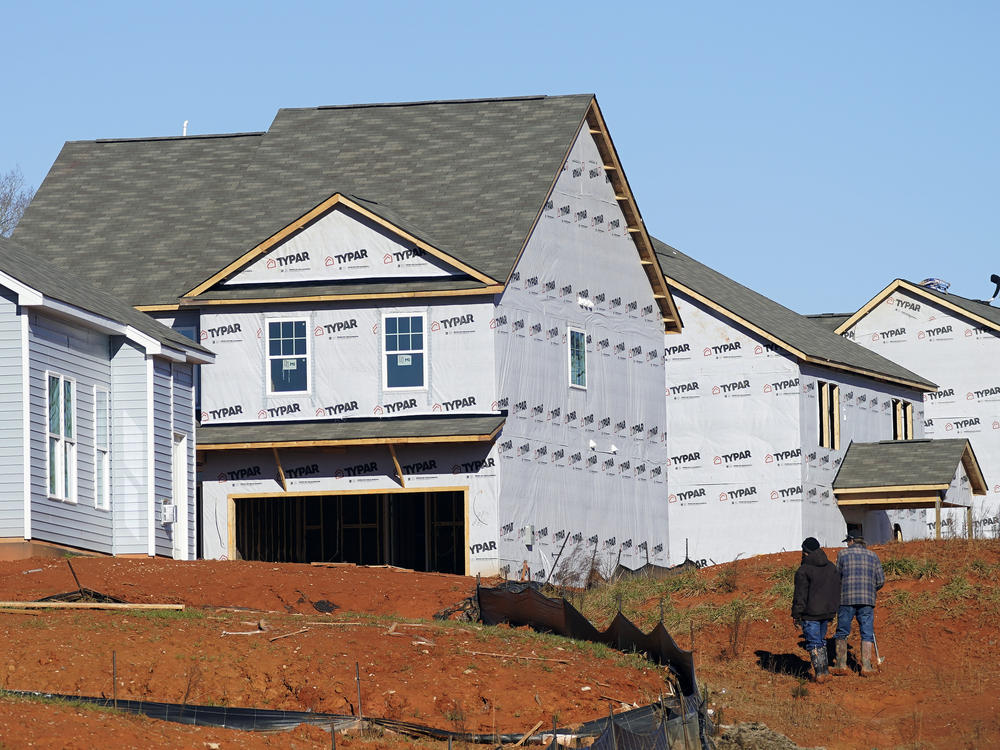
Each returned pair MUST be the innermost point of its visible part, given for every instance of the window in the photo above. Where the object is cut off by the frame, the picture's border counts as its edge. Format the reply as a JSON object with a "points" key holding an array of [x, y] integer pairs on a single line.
{"points": [[829, 415], [288, 356], [405, 361], [102, 449], [577, 359], [902, 420], [62, 438]]}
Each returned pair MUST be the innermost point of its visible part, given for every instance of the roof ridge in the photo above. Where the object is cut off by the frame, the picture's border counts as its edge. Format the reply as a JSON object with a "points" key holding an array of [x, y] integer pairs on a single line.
{"points": [[429, 102], [204, 136]]}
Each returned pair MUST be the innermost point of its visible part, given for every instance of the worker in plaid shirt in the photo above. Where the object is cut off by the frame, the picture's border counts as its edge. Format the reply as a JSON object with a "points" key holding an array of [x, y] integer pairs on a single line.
{"points": [[861, 576]]}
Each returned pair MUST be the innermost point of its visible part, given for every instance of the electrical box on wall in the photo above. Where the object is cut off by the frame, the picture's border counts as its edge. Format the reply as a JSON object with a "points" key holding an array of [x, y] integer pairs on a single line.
{"points": [[168, 512], [528, 535]]}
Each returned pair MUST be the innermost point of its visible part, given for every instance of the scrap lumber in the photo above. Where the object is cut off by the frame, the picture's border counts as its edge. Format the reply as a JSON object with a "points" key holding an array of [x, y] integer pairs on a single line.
{"points": [[515, 656], [527, 735], [88, 605], [286, 635]]}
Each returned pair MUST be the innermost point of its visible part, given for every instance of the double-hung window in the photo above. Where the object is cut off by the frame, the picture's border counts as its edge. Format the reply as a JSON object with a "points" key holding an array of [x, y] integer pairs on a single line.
{"points": [[405, 352], [902, 420], [577, 358], [62, 437], [287, 356], [829, 415], [102, 449]]}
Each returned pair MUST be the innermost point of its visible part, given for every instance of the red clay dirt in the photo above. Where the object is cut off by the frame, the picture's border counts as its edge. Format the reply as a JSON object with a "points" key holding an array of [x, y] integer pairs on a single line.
{"points": [[454, 676], [937, 687]]}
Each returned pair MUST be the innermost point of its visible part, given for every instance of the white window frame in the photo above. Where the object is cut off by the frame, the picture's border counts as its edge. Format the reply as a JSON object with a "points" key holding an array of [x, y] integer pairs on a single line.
{"points": [[102, 454], [268, 356], [425, 351], [569, 357], [66, 447]]}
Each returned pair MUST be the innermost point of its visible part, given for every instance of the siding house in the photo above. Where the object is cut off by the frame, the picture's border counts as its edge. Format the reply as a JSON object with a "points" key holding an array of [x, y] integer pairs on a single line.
{"points": [[97, 419], [762, 405], [438, 326], [955, 341]]}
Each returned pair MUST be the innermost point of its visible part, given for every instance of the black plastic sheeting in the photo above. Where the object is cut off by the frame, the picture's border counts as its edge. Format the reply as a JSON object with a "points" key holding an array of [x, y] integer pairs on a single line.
{"points": [[642, 728], [524, 605]]}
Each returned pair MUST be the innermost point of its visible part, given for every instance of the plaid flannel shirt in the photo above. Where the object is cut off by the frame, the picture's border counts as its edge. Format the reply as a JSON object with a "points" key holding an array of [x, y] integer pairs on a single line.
{"points": [[861, 576]]}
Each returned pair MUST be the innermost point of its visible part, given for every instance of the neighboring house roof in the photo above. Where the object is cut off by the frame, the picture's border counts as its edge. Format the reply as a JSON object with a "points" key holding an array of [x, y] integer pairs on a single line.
{"points": [[829, 320], [899, 464], [40, 284], [350, 432], [805, 339], [981, 312]]}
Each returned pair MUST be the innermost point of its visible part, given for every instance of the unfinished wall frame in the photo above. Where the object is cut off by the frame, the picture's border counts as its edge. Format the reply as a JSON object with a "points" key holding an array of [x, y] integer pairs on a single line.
{"points": [[463, 490]]}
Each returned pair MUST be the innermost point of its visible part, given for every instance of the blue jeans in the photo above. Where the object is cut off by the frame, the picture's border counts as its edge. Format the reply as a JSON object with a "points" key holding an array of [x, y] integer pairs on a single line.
{"points": [[866, 621], [815, 633]]}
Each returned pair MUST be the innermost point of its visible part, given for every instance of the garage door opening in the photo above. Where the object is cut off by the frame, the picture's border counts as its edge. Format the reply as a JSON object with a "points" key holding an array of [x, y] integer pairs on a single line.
{"points": [[418, 530]]}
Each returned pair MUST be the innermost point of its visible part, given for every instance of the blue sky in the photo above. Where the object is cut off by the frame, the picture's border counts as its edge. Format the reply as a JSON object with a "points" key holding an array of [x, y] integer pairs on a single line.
{"points": [[812, 152]]}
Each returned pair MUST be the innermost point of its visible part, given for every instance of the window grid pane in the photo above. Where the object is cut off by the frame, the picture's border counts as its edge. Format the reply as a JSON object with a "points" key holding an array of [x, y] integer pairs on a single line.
{"points": [[287, 347], [55, 406], [404, 351], [68, 421]]}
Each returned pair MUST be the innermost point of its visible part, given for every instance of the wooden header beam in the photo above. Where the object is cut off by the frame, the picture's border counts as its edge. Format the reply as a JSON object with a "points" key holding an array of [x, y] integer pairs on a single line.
{"points": [[348, 442]]}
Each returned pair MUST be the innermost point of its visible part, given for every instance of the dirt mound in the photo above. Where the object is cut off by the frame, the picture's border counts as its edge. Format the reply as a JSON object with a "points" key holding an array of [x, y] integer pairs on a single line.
{"points": [[754, 736]]}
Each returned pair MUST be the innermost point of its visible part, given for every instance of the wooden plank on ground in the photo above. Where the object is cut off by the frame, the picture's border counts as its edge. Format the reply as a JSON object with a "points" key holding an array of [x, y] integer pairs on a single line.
{"points": [[88, 605]]}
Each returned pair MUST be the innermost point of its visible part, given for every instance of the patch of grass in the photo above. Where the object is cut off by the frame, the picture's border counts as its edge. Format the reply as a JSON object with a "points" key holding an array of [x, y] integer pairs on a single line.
{"points": [[904, 605], [984, 569], [167, 614], [908, 567], [957, 589], [782, 591], [49, 700]]}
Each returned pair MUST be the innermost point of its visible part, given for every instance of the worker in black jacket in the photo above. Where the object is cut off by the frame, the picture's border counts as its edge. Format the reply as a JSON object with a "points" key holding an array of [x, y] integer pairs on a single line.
{"points": [[815, 602]]}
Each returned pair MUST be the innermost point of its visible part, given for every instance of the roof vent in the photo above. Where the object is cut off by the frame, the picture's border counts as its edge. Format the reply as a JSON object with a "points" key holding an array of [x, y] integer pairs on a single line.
{"points": [[937, 285], [996, 280]]}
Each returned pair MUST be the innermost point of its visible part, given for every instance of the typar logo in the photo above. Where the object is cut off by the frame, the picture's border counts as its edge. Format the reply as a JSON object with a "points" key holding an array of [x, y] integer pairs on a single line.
{"points": [[298, 472], [986, 394], [942, 395], [401, 255], [454, 322], [738, 458], [728, 349], [783, 457], [283, 261], [273, 412], [239, 475], [420, 467], [744, 494], [892, 334], [337, 409], [223, 412], [357, 470], [343, 259], [677, 349], [787, 386], [736, 388], [685, 460], [938, 332], [762, 349], [785, 493], [396, 406], [473, 467], [223, 333], [456, 404], [340, 326]]}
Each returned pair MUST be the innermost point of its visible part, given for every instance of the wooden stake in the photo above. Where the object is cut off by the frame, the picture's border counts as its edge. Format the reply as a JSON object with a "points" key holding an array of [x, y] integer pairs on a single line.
{"points": [[514, 656], [524, 737], [88, 605]]}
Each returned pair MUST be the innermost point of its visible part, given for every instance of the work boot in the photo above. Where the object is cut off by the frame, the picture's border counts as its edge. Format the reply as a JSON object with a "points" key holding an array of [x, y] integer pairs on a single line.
{"points": [[866, 658], [840, 666], [818, 658]]}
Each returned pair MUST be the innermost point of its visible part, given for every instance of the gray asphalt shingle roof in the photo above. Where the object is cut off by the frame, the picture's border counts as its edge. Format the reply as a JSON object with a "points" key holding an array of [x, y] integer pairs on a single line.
{"points": [[813, 339], [58, 284], [900, 463], [352, 429], [829, 320], [149, 220]]}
